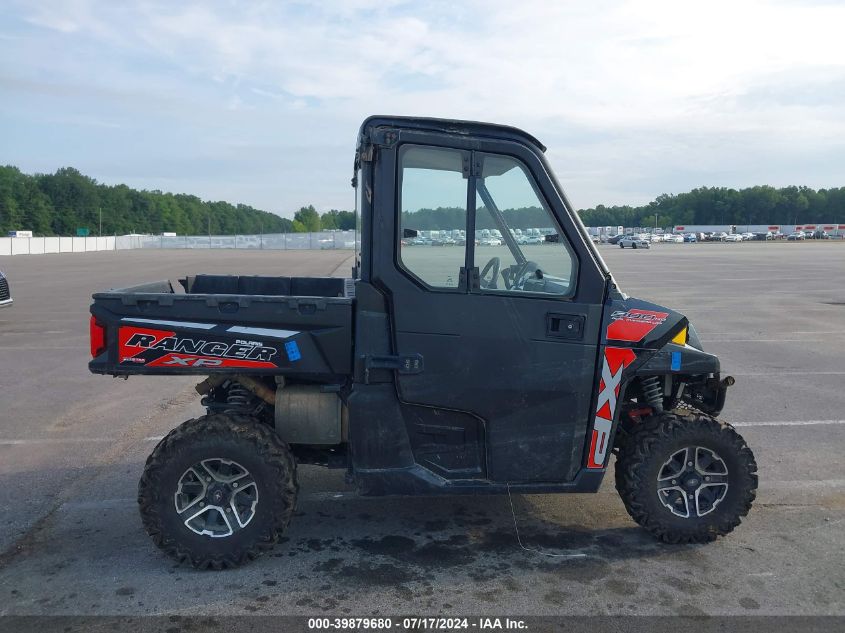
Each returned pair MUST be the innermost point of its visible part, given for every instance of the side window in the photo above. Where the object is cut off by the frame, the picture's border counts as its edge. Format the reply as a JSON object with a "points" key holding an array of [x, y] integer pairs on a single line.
{"points": [[519, 247], [433, 201]]}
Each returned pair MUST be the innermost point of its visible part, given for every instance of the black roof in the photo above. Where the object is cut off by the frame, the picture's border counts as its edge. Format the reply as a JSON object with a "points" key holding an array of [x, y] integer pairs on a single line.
{"points": [[452, 126]]}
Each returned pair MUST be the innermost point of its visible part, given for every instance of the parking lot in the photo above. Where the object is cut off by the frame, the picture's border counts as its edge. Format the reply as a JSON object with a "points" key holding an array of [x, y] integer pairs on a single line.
{"points": [[73, 445]]}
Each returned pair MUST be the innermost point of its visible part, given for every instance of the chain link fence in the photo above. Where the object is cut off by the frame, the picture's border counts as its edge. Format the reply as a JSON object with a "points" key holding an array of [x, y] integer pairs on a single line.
{"points": [[325, 240]]}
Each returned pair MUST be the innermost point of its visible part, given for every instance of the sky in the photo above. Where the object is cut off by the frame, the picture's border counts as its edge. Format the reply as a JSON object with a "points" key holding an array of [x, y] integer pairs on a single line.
{"points": [[260, 102]]}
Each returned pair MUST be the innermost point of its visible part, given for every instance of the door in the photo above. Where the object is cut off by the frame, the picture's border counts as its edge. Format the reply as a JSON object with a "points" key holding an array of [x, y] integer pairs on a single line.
{"points": [[487, 291]]}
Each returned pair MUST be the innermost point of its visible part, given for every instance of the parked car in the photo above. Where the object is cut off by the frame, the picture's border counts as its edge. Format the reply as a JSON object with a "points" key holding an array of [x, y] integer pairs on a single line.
{"points": [[733, 237], [614, 239], [690, 237], [675, 239], [634, 241], [821, 235], [747, 236], [718, 236], [5, 293], [798, 235]]}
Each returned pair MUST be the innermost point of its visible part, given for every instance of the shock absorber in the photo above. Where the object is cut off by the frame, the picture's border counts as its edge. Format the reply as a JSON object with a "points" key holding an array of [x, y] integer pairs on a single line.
{"points": [[653, 392], [238, 399]]}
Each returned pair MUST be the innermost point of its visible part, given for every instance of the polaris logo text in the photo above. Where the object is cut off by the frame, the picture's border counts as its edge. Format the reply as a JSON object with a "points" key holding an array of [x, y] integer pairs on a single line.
{"points": [[238, 350]]}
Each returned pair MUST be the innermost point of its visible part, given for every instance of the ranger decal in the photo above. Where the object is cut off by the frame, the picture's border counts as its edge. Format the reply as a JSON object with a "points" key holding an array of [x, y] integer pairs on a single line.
{"points": [[163, 348]]}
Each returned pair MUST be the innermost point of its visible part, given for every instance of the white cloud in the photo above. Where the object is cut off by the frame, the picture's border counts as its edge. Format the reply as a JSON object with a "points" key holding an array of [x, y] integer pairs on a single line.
{"points": [[634, 98]]}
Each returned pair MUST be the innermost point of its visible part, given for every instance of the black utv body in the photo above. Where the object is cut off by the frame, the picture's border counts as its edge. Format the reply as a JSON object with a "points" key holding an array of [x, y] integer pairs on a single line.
{"points": [[481, 345]]}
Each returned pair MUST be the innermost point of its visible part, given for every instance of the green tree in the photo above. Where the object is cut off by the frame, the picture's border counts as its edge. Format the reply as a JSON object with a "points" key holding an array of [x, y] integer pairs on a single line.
{"points": [[340, 220], [309, 218]]}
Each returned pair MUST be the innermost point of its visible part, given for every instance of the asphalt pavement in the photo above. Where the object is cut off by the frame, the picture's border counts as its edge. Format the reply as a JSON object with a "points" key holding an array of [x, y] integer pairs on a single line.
{"points": [[72, 447]]}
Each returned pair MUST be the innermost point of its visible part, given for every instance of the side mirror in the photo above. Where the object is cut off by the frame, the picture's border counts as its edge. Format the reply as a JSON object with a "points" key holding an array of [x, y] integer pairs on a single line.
{"points": [[409, 233]]}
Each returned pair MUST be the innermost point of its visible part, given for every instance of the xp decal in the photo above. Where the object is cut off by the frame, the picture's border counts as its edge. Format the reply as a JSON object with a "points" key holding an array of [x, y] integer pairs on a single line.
{"points": [[633, 325], [164, 348], [615, 360]]}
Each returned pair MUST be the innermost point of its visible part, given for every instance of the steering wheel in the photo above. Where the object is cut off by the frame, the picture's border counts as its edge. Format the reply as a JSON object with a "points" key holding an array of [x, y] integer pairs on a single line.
{"points": [[525, 270], [494, 263]]}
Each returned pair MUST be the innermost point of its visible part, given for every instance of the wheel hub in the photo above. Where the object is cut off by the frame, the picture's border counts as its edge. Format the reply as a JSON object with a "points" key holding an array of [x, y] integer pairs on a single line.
{"points": [[216, 497], [692, 482]]}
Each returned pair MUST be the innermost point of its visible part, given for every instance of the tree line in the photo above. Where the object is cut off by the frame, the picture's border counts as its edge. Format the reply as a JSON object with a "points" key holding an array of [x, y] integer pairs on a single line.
{"points": [[720, 205], [705, 205], [450, 218], [61, 203]]}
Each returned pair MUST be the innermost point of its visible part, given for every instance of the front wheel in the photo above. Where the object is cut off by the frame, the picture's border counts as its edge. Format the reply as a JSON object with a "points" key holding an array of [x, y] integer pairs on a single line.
{"points": [[686, 478], [218, 490]]}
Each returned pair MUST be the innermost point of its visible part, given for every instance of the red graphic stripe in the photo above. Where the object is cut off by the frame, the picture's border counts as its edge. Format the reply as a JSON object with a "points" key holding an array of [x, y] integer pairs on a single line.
{"points": [[635, 325]]}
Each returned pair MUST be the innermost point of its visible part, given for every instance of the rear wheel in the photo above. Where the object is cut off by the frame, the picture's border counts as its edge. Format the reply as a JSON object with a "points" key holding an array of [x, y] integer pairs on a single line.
{"points": [[218, 490], [686, 477]]}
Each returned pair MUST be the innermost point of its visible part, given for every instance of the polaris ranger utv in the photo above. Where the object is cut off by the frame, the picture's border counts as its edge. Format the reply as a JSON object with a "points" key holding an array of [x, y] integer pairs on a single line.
{"points": [[451, 362]]}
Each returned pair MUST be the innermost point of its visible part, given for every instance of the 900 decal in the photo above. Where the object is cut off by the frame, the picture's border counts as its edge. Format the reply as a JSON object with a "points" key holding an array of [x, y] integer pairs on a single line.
{"points": [[158, 348]]}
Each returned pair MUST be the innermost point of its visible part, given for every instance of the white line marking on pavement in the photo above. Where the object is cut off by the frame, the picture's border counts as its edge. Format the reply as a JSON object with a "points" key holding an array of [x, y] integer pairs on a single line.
{"points": [[816, 332], [762, 340], [99, 503], [158, 438], [803, 485], [68, 440], [788, 373], [17, 348], [56, 440], [789, 423], [323, 496]]}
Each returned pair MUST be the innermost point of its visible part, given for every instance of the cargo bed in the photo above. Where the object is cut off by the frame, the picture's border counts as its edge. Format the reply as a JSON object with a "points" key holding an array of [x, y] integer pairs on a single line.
{"points": [[296, 326]]}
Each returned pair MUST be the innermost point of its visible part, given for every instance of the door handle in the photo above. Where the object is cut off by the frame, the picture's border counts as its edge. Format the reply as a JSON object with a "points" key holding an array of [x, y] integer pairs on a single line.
{"points": [[566, 326]]}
